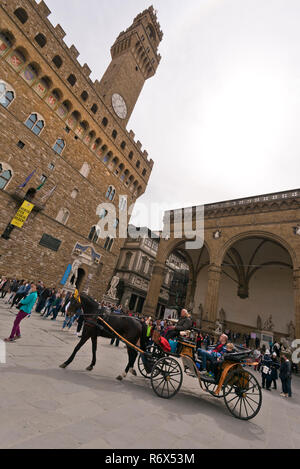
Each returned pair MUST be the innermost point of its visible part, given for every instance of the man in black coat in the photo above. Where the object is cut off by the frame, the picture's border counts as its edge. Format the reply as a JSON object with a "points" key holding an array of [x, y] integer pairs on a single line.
{"points": [[285, 374], [184, 324]]}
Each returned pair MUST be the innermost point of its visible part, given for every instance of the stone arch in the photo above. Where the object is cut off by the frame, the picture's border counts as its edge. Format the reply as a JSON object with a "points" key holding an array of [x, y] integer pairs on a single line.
{"points": [[261, 234]]}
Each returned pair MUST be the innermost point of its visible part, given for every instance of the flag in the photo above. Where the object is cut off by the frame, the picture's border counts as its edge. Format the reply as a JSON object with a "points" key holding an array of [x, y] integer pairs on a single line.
{"points": [[26, 180], [46, 196], [41, 185]]}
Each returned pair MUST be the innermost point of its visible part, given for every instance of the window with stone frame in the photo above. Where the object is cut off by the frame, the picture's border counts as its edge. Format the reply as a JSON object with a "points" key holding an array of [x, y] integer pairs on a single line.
{"points": [[63, 216], [7, 94], [59, 146], [21, 14], [128, 258], [94, 234], [110, 194], [35, 123], [5, 175], [108, 244]]}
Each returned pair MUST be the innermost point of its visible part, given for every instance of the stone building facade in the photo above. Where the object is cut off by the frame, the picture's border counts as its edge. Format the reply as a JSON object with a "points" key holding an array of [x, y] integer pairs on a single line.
{"points": [[135, 266], [246, 275], [65, 135]]}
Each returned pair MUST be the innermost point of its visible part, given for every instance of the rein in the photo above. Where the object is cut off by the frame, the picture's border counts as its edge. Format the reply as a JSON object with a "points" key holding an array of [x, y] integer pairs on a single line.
{"points": [[121, 337]]}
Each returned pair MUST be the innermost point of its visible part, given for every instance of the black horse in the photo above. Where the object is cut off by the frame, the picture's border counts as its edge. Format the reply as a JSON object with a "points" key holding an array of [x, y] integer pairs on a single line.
{"points": [[128, 327]]}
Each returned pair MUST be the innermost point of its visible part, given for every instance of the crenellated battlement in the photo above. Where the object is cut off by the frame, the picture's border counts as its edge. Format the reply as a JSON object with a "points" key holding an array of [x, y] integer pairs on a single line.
{"points": [[153, 16]]}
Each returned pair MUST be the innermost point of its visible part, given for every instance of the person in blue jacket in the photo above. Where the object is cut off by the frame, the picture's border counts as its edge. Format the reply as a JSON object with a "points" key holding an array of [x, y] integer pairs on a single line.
{"points": [[25, 311]]}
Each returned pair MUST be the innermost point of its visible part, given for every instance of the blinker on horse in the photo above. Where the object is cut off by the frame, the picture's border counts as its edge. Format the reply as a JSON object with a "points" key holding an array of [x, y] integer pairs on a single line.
{"points": [[129, 328]]}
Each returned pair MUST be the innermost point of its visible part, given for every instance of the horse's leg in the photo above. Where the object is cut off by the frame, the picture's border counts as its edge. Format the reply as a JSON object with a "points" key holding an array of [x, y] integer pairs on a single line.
{"points": [[132, 354], [85, 336], [94, 351]]}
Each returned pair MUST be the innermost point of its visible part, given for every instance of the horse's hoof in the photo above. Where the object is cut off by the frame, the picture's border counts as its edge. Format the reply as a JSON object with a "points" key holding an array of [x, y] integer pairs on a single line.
{"points": [[63, 366], [89, 368], [119, 378]]}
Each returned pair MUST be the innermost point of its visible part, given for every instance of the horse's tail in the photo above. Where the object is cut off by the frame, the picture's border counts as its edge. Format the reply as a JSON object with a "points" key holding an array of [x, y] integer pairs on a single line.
{"points": [[144, 336]]}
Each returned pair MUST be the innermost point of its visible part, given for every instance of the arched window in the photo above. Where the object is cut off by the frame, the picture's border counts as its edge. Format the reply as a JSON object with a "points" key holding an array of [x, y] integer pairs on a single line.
{"points": [[35, 124], [130, 156], [127, 260], [59, 146], [114, 134], [110, 194], [63, 216], [104, 121], [108, 244], [72, 79], [57, 61], [41, 40], [5, 175], [7, 94], [94, 108], [138, 164], [85, 170], [84, 96], [123, 145], [21, 14], [94, 234], [144, 172]]}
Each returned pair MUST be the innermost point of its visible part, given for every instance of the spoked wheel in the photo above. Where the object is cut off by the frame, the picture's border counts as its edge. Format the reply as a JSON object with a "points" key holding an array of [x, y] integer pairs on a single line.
{"points": [[155, 354], [166, 377], [244, 398]]}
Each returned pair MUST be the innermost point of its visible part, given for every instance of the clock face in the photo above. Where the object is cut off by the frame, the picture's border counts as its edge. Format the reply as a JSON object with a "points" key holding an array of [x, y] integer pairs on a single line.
{"points": [[119, 105]]}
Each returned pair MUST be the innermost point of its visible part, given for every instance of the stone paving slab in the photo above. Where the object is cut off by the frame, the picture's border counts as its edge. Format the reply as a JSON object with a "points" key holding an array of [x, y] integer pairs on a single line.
{"points": [[43, 406]]}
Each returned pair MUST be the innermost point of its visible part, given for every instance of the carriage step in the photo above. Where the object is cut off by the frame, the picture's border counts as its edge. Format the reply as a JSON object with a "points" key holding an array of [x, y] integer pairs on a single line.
{"points": [[208, 379]]}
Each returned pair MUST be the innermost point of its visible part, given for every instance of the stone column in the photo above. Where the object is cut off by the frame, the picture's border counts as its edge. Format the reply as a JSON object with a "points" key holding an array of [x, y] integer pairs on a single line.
{"points": [[212, 296], [190, 294], [154, 289], [296, 285]]}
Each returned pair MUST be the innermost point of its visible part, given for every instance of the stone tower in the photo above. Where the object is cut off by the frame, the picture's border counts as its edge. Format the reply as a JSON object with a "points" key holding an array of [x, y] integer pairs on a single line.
{"points": [[134, 60]]}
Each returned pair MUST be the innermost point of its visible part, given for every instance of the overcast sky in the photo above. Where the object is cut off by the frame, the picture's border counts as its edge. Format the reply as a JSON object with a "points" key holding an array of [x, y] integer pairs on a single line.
{"points": [[221, 117]]}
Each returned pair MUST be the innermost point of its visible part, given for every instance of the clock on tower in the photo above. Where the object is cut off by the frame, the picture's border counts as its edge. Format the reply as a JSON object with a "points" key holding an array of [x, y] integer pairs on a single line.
{"points": [[134, 59]]}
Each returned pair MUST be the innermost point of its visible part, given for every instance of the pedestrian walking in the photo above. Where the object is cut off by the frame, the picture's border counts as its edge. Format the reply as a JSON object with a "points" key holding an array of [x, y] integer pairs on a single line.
{"points": [[266, 371], [25, 311], [274, 370], [285, 374]]}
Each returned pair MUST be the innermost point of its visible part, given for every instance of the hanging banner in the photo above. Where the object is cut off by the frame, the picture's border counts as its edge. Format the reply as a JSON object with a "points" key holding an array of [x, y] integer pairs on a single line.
{"points": [[66, 274], [22, 214]]}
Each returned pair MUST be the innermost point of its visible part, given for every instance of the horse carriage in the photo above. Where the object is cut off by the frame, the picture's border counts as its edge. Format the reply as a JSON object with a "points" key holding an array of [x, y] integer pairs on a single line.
{"points": [[231, 381]]}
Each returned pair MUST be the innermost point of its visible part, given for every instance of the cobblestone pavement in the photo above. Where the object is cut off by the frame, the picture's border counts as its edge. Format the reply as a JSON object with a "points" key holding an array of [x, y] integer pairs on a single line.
{"points": [[43, 406]]}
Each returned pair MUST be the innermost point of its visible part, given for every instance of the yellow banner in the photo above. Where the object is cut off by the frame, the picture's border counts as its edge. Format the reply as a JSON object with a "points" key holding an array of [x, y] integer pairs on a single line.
{"points": [[22, 214]]}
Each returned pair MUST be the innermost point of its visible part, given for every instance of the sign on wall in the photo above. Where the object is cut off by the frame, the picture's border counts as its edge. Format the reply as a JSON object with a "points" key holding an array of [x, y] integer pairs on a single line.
{"points": [[22, 214]]}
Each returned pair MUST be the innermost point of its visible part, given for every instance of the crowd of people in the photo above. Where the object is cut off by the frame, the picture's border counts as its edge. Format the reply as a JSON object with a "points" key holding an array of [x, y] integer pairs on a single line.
{"points": [[272, 362]]}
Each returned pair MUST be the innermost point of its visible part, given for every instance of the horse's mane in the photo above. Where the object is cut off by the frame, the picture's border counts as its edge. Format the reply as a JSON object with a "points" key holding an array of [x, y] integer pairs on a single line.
{"points": [[89, 304]]}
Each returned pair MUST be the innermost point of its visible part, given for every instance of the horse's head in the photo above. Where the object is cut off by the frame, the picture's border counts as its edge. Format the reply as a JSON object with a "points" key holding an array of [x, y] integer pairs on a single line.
{"points": [[75, 304]]}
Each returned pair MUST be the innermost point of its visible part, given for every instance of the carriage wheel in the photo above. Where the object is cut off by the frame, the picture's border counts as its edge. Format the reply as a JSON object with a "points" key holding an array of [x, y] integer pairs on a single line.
{"points": [[166, 377], [244, 398], [156, 354], [141, 368]]}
